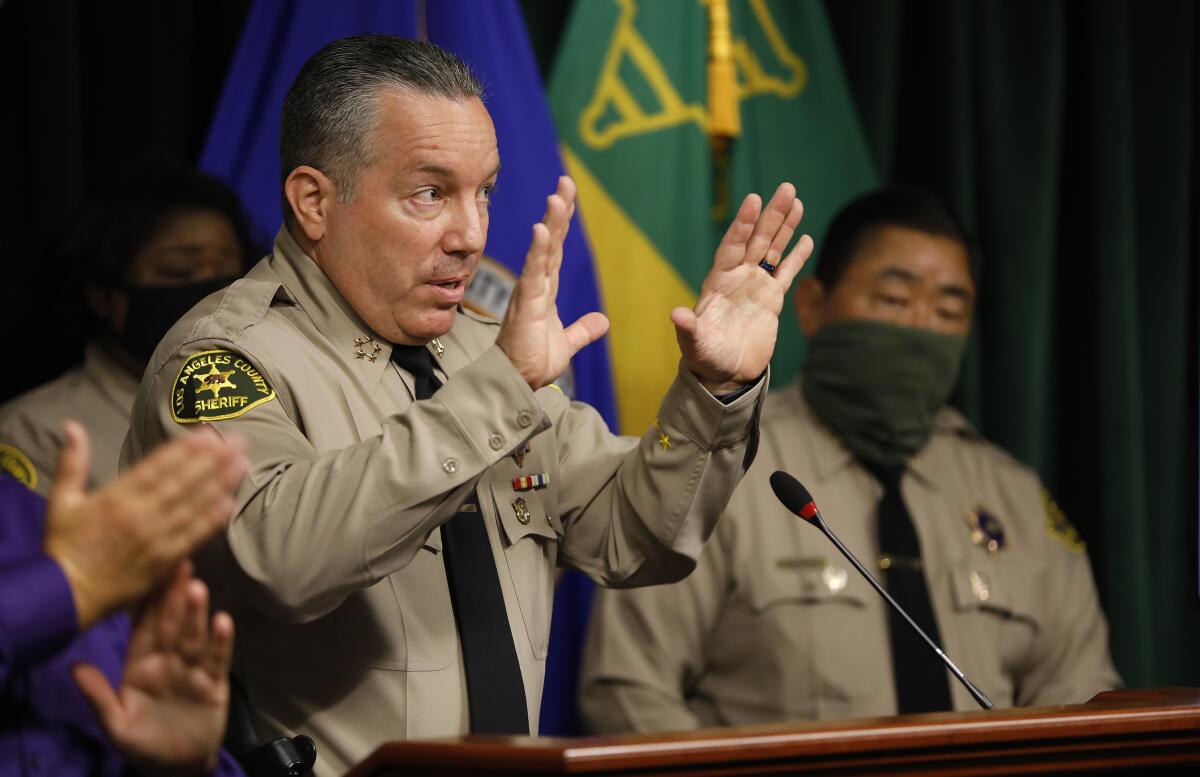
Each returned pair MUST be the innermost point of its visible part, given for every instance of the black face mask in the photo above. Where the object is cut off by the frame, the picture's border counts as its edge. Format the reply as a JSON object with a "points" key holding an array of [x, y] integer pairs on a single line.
{"points": [[155, 309]]}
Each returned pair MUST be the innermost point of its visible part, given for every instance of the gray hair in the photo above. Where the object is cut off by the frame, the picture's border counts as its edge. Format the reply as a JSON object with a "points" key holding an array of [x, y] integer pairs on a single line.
{"points": [[332, 105]]}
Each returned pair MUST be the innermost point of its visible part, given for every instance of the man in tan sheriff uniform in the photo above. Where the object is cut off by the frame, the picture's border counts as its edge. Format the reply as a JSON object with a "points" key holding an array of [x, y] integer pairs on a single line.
{"points": [[774, 624], [337, 567], [99, 394], [164, 239]]}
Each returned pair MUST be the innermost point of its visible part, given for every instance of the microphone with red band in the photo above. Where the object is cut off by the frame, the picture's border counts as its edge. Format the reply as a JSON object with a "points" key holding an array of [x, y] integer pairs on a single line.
{"points": [[796, 499]]}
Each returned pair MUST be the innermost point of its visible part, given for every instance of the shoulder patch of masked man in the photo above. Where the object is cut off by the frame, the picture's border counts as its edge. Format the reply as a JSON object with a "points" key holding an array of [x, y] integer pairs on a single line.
{"points": [[166, 237], [340, 563], [774, 625]]}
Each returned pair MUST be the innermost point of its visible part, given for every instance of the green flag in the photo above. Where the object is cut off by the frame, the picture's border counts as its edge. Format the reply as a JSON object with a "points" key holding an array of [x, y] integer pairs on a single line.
{"points": [[630, 97]]}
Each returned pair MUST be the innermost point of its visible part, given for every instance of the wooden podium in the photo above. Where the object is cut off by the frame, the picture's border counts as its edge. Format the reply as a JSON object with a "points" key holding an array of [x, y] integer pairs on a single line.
{"points": [[1121, 732]]}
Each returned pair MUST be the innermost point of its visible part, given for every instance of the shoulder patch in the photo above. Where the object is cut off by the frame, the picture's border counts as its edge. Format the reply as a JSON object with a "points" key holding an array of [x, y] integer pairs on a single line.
{"points": [[217, 385], [16, 463], [1058, 527]]}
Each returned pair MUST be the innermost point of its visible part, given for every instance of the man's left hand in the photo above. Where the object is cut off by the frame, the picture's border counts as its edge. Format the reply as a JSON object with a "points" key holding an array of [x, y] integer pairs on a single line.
{"points": [[169, 714], [728, 338]]}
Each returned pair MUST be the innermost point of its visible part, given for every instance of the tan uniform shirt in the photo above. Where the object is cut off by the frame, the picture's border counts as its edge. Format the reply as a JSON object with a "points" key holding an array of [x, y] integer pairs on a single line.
{"points": [[98, 395], [775, 625], [332, 565]]}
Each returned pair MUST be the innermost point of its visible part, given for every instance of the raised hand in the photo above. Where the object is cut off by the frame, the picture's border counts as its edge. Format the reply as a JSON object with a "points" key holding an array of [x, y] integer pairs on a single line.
{"points": [[532, 335], [168, 716], [728, 338], [116, 543]]}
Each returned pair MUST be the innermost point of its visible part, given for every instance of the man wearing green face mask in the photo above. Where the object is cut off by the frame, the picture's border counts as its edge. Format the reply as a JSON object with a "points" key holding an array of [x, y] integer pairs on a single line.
{"points": [[162, 239], [773, 625]]}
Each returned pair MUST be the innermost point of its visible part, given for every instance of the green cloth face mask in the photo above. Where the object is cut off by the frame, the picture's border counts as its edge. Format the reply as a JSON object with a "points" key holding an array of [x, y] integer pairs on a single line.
{"points": [[878, 386]]}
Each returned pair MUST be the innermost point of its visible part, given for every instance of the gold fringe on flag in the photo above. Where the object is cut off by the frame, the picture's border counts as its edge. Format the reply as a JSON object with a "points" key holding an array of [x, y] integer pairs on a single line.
{"points": [[724, 119]]}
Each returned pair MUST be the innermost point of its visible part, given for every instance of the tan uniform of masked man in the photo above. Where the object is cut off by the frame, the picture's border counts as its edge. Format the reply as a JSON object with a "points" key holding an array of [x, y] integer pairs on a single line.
{"points": [[774, 625], [333, 566], [162, 240]]}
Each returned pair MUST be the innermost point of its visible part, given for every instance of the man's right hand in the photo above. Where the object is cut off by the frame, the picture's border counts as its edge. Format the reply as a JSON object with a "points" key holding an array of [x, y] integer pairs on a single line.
{"points": [[116, 543], [532, 335]]}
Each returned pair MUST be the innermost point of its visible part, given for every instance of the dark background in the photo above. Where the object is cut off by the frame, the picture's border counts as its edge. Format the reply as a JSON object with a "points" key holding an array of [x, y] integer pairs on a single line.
{"points": [[1064, 132]]}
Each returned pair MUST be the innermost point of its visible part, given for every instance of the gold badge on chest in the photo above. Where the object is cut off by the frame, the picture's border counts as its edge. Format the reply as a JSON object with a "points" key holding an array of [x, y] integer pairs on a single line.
{"points": [[986, 530], [521, 510]]}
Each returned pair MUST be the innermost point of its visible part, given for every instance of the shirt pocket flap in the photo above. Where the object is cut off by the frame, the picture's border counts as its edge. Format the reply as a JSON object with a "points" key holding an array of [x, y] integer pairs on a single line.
{"points": [[433, 541], [523, 515], [805, 580], [1005, 586]]}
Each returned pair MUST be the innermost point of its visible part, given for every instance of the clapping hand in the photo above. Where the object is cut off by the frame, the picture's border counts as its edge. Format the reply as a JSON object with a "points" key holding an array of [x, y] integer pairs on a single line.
{"points": [[169, 714], [115, 544]]}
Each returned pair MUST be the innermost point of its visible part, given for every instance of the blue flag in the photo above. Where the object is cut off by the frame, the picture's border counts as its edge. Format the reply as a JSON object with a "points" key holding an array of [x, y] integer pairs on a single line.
{"points": [[243, 149]]}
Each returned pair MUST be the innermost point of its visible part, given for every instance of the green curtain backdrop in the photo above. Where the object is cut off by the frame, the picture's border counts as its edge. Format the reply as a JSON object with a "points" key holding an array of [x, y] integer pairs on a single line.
{"points": [[1064, 132]]}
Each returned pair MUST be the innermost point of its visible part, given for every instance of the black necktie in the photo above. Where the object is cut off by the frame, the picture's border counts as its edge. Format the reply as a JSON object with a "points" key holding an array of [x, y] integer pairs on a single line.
{"points": [[495, 689], [920, 677]]}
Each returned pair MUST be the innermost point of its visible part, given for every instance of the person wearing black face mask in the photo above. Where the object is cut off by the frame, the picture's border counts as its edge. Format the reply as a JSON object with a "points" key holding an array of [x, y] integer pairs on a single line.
{"points": [[164, 240], [772, 625]]}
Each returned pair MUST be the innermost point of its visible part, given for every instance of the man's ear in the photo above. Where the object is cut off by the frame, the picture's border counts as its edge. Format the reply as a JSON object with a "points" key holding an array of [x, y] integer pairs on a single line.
{"points": [[310, 193], [809, 301]]}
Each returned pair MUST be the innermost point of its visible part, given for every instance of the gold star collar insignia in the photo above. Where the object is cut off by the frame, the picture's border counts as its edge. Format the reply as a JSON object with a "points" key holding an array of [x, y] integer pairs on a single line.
{"points": [[663, 439]]}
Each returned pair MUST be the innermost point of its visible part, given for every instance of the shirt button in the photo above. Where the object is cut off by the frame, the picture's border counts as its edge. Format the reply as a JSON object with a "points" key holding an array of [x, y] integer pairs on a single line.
{"points": [[524, 419], [450, 465], [496, 441]]}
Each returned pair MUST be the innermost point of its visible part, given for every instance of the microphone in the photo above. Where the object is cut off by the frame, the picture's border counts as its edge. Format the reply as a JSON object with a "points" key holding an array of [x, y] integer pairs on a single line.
{"points": [[796, 499]]}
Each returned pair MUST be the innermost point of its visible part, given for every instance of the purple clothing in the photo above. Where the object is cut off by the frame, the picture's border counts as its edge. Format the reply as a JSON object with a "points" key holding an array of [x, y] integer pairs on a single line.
{"points": [[46, 724]]}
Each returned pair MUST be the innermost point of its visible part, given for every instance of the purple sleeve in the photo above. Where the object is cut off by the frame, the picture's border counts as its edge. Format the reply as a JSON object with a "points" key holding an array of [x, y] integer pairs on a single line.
{"points": [[227, 767], [37, 613]]}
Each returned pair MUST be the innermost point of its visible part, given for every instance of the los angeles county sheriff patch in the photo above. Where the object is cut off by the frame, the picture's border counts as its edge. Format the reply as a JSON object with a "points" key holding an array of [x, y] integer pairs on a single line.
{"points": [[1058, 527], [16, 463], [216, 385]]}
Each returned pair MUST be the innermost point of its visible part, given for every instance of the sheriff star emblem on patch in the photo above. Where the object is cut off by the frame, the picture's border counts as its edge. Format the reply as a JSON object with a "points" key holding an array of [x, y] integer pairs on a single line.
{"points": [[214, 380], [217, 385]]}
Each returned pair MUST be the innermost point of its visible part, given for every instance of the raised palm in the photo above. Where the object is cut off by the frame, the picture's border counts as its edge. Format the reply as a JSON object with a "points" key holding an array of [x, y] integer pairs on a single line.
{"points": [[532, 334], [728, 338], [169, 714]]}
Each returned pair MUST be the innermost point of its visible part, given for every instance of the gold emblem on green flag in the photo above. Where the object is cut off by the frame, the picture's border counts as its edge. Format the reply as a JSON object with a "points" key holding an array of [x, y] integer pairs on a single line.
{"points": [[216, 385], [669, 112]]}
